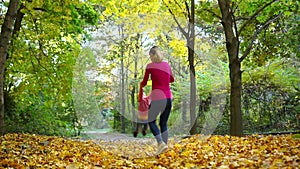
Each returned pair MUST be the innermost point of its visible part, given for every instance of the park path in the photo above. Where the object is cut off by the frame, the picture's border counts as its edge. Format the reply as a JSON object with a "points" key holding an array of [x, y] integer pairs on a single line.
{"points": [[126, 145], [113, 136]]}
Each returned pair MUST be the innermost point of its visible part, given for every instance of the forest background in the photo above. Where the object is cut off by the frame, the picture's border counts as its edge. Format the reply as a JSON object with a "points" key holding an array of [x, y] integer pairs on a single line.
{"points": [[73, 66]]}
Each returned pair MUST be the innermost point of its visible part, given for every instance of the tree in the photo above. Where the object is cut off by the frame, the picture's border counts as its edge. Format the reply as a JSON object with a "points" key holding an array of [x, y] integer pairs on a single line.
{"points": [[6, 33], [233, 40], [134, 19], [38, 72], [190, 39]]}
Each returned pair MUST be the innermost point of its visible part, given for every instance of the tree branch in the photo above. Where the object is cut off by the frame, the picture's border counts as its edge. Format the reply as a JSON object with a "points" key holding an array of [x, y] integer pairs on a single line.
{"points": [[235, 27], [255, 15], [18, 22], [40, 9], [213, 13], [178, 24], [185, 14], [189, 16], [187, 9], [242, 18], [256, 34]]}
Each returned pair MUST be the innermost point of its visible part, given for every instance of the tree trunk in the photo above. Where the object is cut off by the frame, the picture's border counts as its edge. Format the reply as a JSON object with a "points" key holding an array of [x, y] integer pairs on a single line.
{"points": [[122, 92], [191, 52], [184, 103], [6, 32], [193, 117], [134, 116], [134, 85], [232, 45], [236, 125], [123, 102]]}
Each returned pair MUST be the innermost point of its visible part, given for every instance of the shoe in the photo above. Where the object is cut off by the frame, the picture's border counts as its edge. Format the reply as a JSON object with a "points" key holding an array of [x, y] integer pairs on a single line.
{"points": [[162, 147], [144, 132], [135, 134]]}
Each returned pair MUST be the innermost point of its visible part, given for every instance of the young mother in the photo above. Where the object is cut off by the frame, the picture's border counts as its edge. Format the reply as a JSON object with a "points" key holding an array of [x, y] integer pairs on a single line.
{"points": [[161, 96]]}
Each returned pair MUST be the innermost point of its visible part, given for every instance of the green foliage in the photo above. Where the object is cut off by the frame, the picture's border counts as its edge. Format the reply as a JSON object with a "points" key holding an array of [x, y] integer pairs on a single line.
{"points": [[267, 46], [46, 57], [207, 12], [271, 96], [39, 70], [296, 136], [34, 114], [212, 76], [85, 92], [282, 73], [82, 15], [272, 60]]}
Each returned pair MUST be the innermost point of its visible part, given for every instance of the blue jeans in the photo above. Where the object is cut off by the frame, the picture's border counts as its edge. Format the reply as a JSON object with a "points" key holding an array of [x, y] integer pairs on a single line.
{"points": [[162, 107]]}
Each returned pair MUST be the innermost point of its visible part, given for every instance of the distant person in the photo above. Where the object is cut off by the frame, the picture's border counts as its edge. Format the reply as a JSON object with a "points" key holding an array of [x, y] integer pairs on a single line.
{"points": [[161, 96]]}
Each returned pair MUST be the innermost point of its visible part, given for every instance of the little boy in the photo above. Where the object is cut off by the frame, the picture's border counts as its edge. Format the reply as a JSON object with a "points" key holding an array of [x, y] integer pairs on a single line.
{"points": [[143, 106]]}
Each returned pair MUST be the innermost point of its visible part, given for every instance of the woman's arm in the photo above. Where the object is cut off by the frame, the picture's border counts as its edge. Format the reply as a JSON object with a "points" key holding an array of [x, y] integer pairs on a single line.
{"points": [[145, 79], [143, 83], [171, 76]]}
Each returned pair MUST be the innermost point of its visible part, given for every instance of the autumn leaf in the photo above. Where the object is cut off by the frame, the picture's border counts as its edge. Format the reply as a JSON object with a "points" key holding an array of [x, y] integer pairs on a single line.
{"points": [[256, 151]]}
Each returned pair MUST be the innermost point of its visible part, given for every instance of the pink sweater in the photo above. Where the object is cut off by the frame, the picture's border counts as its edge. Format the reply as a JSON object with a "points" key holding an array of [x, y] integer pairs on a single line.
{"points": [[161, 76]]}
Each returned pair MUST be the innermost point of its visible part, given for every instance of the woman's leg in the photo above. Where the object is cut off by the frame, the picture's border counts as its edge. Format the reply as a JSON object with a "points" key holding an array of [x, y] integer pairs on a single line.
{"points": [[155, 108], [163, 121]]}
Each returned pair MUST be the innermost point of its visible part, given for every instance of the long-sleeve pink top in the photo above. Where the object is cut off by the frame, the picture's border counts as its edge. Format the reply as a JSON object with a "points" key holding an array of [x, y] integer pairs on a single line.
{"points": [[161, 76]]}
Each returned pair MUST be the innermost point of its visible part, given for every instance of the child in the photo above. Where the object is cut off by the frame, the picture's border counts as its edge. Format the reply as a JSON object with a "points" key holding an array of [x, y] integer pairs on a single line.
{"points": [[143, 106]]}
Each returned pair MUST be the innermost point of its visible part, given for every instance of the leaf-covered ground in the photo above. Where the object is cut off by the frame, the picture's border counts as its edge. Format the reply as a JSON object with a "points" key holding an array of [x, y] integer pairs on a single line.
{"points": [[34, 151]]}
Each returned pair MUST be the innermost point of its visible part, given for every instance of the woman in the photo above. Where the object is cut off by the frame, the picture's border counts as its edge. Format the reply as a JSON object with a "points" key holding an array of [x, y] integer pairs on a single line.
{"points": [[161, 96]]}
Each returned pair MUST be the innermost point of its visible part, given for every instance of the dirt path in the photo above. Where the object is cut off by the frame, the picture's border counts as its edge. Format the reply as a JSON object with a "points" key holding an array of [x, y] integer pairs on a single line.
{"points": [[126, 145], [114, 137]]}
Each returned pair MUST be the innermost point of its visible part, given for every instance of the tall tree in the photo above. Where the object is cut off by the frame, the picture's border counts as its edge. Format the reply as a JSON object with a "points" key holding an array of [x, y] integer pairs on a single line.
{"points": [[233, 40], [40, 62], [123, 101], [6, 33], [135, 17], [189, 35], [191, 58]]}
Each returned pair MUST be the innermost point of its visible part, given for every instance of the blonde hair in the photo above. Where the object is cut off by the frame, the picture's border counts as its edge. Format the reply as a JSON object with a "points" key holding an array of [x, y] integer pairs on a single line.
{"points": [[157, 55]]}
